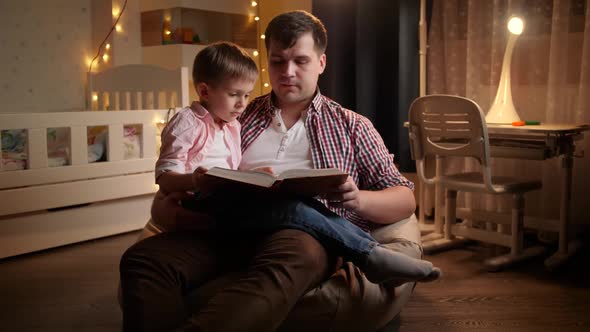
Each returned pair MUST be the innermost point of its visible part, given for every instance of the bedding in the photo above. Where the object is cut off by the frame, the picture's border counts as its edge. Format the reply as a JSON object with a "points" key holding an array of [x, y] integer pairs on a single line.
{"points": [[14, 156], [97, 141], [132, 142], [14, 144]]}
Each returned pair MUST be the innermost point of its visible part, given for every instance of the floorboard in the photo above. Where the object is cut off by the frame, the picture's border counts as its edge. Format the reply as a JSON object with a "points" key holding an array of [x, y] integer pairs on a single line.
{"points": [[73, 288]]}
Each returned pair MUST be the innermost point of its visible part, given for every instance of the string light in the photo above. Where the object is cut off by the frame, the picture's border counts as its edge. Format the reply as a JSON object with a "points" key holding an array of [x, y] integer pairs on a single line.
{"points": [[94, 97], [115, 11], [256, 52], [105, 57], [116, 26]]}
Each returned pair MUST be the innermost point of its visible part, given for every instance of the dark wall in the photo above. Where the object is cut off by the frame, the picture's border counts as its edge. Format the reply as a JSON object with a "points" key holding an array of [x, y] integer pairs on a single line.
{"points": [[373, 64]]}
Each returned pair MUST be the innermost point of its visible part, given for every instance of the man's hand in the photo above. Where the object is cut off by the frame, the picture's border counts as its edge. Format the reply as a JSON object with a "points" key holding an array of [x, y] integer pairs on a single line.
{"points": [[169, 215], [347, 195], [264, 170]]}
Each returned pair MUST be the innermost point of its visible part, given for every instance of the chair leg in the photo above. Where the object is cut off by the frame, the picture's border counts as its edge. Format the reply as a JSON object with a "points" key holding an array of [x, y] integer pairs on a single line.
{"points": [[450, 213], [517, 224], [449, 241], [517, 253]]}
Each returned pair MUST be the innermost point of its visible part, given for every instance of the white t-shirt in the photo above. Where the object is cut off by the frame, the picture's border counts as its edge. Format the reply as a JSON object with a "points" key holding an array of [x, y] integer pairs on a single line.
{"points": [[279, 148], [218, 154]]}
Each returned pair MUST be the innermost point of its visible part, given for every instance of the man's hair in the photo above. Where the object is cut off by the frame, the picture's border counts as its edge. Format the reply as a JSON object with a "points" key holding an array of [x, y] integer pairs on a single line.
{"points": [[288, 27], [223, 60]]}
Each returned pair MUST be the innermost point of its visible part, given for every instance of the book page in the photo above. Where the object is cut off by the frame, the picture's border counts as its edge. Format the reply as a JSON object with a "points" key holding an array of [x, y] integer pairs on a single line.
{"points": [[307, 173], [251, 177]]}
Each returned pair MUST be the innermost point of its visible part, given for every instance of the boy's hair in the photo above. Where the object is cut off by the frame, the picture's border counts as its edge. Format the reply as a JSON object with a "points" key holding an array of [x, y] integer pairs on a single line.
{"points": [[223, 60], [288, 27]]}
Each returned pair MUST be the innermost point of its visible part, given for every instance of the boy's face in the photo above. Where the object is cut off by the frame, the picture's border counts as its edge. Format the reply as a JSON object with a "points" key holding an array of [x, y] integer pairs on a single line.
{"points": [[226, 101], [294, 72]]}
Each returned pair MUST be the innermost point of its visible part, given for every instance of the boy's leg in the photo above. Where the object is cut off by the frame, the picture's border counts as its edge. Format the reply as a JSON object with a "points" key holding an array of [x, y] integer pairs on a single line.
{"points": [[265, 213], [343, 238]]}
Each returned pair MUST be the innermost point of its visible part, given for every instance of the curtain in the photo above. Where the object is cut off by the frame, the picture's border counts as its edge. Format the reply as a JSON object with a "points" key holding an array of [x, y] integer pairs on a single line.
{"points": [[372, 64], [550, 82]]}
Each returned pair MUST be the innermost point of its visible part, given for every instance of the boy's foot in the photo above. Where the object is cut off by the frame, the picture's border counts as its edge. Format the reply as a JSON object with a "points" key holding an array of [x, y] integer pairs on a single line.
{"points": [[434, 275], [384, 265]]}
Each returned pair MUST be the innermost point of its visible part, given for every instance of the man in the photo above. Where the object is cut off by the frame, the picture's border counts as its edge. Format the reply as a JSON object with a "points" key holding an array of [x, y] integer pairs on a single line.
{"points": [[294, 127]]}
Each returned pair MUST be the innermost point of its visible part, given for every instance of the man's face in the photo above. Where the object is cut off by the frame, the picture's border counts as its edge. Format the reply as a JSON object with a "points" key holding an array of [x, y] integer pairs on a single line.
{"points": [[294, 72]]}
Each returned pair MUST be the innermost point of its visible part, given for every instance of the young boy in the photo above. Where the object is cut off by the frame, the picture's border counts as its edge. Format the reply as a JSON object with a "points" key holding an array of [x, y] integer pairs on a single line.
{"points": [[206, 135]]}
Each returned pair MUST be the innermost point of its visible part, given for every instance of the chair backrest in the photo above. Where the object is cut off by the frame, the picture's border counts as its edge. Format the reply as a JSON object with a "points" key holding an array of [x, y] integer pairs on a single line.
{"points": [[445, 125], [134, 87]]}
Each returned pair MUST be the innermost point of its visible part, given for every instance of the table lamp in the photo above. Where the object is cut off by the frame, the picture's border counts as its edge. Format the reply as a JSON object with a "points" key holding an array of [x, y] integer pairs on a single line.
{"points": [[502, 110]]}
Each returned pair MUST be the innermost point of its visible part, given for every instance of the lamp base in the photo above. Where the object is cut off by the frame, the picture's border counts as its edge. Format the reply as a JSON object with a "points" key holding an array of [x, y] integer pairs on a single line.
{"points": [[502, 114]]}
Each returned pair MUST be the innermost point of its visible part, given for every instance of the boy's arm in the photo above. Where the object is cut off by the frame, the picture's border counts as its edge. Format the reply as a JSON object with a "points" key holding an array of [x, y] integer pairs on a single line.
{"points": [[178, 137], [170, 182], [169, 215]]}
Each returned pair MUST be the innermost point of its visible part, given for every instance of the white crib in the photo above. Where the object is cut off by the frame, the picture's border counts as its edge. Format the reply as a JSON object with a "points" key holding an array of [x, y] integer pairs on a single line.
{"points": [[45, 206]]}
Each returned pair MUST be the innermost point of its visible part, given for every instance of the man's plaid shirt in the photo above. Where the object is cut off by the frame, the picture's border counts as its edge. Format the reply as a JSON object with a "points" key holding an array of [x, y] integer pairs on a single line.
{"points": [[338, 138]]}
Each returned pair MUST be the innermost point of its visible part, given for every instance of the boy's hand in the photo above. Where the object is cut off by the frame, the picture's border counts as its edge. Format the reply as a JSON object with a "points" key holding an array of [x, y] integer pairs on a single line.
{"points": [[197, 177], [346, 195]]}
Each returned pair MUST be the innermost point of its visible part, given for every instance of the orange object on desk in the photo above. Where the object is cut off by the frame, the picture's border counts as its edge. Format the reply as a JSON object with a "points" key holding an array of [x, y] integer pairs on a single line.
{"points": [[518, 123]]}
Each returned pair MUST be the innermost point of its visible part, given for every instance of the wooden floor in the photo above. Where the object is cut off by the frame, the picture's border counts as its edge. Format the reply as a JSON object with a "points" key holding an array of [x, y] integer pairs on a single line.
{"points": [[73, 289]]}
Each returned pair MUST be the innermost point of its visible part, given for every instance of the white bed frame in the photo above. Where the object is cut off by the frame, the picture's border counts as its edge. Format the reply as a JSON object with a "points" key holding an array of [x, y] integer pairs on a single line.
{"points": [[43, 207]]}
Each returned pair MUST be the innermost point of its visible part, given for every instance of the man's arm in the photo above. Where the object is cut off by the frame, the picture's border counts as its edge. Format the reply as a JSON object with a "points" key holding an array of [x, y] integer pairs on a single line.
{"points": [[384, 206], [386, 195]]}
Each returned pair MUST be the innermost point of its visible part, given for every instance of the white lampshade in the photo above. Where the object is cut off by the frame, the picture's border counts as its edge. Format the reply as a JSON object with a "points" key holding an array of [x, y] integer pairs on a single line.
{"points": [[502, 110]]}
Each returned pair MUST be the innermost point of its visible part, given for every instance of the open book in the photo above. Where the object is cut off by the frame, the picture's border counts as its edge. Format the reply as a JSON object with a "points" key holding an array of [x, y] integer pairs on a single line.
{"points": [[307, 182]]}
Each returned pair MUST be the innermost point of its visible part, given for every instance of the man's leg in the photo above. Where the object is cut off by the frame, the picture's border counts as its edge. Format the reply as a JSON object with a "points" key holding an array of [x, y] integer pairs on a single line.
{"points": [[157, 272], [286, 265]]}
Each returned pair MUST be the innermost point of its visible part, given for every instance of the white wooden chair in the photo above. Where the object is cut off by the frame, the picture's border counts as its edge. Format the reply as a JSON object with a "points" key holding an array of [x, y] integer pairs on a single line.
{"points": [[443, 126], [137, 87]]}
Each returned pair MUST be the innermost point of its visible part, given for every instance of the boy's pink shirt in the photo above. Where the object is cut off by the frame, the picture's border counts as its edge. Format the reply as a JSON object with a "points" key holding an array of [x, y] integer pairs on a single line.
{"points": [[187, 138]]}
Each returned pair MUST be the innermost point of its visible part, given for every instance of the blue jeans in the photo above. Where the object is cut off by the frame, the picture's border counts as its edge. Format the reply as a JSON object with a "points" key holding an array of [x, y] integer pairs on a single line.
{"points": [[267, 214]]}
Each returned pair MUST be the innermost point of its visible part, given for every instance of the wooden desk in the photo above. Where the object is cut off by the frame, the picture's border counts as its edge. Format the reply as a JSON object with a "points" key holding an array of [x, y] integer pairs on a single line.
{"points": [[533, 143]]}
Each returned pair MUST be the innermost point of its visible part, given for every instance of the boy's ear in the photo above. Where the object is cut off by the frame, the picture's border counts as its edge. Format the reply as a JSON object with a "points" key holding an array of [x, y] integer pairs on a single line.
{"points": [[202, 90]]}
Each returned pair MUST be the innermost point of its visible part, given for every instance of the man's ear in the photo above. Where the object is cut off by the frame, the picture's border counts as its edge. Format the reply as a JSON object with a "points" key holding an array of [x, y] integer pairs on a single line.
{"points": [[322, 63], [202, 90]]}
